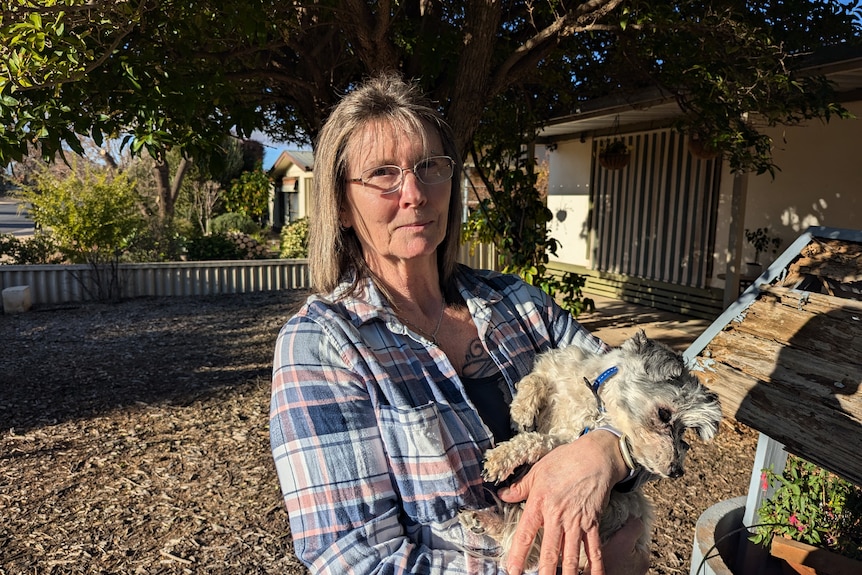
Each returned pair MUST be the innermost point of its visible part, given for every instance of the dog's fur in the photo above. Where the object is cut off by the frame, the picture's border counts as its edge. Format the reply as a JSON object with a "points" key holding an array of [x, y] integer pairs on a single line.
{"points": [[652, 399]]}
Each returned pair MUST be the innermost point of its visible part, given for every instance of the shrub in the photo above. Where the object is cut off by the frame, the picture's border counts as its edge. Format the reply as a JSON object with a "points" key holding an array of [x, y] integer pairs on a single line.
{"points": [[37, 249], [234, 222], [94, 216], [212, 247], [294, 240], [159, 242], [249, 193]]}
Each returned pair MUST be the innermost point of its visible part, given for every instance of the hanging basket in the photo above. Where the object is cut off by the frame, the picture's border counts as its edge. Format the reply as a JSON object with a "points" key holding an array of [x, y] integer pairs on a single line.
{"points": [[614, 160], [699, 148]]}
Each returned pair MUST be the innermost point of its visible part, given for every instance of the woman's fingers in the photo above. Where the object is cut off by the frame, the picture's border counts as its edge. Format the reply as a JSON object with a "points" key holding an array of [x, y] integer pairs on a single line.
{"points": [[570, 560], [526, 531], [593, 550]]}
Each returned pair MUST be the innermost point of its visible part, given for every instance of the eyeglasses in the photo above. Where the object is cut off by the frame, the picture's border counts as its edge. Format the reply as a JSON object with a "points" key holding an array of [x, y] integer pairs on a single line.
{"points": [[388, 179]]}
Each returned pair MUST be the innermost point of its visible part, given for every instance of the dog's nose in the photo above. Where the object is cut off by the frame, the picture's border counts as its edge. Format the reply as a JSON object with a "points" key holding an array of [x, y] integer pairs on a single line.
{"points": [[676, 472]]}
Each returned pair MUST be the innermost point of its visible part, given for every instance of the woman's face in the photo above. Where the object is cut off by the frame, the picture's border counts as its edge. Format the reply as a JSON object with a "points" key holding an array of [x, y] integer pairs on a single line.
{"points": [[408, 224]]}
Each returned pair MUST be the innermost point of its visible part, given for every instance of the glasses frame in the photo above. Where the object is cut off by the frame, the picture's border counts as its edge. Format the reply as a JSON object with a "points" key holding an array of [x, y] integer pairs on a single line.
{"points": [[396, 187]]}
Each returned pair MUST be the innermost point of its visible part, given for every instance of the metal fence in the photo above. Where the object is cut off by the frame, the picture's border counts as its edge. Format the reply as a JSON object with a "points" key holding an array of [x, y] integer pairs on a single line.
{"points": [[57, 284]]}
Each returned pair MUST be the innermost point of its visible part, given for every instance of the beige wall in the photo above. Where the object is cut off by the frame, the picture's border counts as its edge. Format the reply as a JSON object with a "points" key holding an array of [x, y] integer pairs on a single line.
{"points": [[568, 199], [819, 184]]}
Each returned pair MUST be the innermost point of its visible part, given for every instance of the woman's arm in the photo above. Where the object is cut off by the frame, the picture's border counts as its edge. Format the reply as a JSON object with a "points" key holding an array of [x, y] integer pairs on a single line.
{"points": [[345, 511]]}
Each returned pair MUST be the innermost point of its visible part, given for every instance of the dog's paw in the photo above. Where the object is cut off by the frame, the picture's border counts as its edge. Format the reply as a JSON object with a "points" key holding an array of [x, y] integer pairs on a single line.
{"points": [[486, 522], [498, 465], [471, 521]]}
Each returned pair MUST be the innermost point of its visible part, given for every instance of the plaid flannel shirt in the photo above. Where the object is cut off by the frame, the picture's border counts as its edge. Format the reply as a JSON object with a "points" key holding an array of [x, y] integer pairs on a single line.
{"points": [[375, 441]]}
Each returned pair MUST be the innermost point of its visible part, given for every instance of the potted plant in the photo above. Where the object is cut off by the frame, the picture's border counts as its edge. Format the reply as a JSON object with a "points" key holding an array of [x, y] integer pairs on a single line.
{"points": [[814, 517], [762, 241], [614, 154], [700, 147]]}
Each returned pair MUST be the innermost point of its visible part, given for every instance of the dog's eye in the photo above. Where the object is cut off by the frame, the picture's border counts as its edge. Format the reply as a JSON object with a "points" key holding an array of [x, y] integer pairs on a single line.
{"points": [[664, 414]]}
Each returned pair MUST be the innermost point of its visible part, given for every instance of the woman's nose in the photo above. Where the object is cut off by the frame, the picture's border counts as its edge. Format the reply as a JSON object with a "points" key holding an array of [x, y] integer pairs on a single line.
{"points": [[412, 190]]}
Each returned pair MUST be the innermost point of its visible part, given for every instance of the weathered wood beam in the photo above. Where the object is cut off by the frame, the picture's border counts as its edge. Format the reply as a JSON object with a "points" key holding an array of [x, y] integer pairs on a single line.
{"points": [[791, 367]]}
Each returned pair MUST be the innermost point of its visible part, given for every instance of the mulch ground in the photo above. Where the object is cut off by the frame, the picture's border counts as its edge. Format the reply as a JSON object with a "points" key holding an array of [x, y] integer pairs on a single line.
{"points": [[134, 440]]}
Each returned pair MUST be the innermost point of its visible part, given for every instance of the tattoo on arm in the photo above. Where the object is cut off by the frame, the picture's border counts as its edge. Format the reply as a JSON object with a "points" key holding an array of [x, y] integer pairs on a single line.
{"points": [[477, 363]]}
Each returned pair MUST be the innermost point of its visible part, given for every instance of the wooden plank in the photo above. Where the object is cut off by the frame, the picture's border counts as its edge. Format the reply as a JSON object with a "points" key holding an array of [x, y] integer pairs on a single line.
{"points": [[820, 433], [812, 302], [823, 560], [806, 370], [790, 368]]}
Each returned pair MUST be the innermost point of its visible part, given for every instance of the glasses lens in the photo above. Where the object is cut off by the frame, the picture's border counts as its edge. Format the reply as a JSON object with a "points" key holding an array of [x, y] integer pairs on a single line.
{"points": [[434, 170], [385, 178]]}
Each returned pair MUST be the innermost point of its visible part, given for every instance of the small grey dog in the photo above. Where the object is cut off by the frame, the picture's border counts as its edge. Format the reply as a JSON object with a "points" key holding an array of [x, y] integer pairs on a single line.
{"points": [[642, 389]]}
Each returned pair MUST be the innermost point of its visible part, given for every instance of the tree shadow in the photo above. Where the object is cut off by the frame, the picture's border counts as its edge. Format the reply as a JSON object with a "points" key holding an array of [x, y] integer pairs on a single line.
{"points": [[85, 360]]}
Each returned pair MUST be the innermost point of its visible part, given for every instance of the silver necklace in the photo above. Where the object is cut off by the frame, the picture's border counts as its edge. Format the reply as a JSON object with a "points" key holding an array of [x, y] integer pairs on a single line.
{"points": [[432, 336]]}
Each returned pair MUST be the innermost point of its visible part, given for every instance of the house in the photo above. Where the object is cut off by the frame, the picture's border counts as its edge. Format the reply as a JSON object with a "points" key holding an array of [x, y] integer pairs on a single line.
{"points": [[667, 230], [291, 176]]}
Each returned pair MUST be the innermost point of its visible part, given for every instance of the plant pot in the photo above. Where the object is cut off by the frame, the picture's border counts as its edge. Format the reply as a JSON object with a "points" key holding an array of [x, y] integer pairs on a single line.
{"points": [[614, 160], [699, 148], [803, 559], [753, 270]]}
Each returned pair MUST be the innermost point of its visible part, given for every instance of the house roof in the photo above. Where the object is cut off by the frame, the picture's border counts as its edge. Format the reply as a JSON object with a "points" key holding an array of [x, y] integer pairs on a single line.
{"points": [[656, 108], [304, 159]]}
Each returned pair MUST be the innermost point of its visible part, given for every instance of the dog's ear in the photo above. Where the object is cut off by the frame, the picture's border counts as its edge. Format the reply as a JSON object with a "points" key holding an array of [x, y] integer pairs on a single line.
{"points": [[658, 360], [703, 413], [636, 343]]}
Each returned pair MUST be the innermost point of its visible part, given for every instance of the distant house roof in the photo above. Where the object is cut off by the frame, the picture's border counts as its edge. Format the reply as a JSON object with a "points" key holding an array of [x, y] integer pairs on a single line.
{"points": [[656, 108], [303, 159]]}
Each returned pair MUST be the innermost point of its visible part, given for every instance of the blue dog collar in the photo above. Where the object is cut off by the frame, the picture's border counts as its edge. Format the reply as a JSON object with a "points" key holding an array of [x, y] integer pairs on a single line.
{"points": [[596, 384], [603, 377]]}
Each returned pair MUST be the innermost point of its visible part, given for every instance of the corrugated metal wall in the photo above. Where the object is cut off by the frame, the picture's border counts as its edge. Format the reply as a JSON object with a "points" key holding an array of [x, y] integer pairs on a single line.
{"points": [[655, 219], [55, 284]]}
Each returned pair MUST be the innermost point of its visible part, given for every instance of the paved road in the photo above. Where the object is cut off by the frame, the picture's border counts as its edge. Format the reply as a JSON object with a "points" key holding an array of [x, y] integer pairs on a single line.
{"points": [[11, 222]]}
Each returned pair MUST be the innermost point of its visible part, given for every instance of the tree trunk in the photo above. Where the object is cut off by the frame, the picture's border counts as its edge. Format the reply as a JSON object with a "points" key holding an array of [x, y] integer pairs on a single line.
{"points": [[166, 189]]}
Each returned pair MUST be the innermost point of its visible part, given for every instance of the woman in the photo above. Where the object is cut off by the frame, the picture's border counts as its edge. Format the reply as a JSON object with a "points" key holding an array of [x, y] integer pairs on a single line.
{"points": [[394, 378]]}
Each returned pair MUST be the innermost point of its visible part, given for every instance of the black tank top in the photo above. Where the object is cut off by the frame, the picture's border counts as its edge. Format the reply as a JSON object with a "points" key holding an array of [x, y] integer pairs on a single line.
{"points": [[491, 397]]}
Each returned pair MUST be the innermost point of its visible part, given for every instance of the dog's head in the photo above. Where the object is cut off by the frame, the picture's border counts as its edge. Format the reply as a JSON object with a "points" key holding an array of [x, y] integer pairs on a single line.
{"points": [[654, 399]]}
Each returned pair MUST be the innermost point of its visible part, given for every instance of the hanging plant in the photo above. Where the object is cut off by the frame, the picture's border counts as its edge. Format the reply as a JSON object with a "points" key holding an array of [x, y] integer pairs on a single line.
{"points": [[614, 154], [699, 147]]}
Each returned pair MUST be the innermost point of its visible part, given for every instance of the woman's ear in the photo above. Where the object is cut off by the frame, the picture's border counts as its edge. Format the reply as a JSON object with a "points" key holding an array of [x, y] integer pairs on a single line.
{"points": [[344, 219]]}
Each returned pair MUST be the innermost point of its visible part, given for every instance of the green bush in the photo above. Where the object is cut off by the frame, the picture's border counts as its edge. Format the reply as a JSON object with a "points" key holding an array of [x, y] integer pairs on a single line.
{"points": [[294, 240], [212, 247], [249, 193], [233, 222], [94, 216], [160, 243], [37, 249]]}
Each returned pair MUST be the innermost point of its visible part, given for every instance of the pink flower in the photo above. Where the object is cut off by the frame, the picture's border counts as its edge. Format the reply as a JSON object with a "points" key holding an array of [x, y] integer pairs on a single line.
{"points": [[764, 481], [797, 523]]}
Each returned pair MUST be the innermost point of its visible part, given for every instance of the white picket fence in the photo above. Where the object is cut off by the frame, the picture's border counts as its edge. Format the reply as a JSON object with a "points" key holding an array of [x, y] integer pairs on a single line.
{"points": [[57, 284]]}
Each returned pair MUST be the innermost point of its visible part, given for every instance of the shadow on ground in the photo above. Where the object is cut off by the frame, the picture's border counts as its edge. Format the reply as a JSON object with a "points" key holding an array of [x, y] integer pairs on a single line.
{"points": [[614, 321], [83, 360]]}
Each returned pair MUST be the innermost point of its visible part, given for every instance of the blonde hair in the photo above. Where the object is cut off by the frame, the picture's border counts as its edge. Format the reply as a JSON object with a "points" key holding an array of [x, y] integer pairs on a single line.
{"points": [[334, 253]]}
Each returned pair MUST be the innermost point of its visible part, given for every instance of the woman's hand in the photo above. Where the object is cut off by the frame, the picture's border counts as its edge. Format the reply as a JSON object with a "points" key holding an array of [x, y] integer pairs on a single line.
{"points": [[566, 492]]}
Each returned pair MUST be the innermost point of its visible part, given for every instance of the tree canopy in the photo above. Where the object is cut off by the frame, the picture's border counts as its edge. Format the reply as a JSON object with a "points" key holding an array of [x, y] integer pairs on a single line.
{"points": [[182, 73]]}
